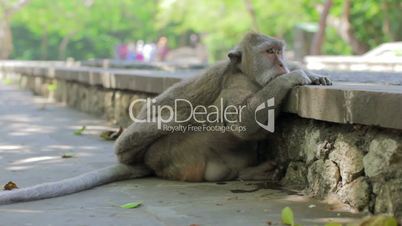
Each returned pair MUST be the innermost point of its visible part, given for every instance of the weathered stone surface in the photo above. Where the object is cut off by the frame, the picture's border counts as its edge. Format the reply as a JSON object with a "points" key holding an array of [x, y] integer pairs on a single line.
{"points": [[323, 149], [61, 91], [108, 101], [389, 197], [313, 102], [349, 103], [288, 140], [384, 157], [323, 177], [348, 157], [310, 146], [296, 175], [96, 104], [356, 193], [122, 101]]}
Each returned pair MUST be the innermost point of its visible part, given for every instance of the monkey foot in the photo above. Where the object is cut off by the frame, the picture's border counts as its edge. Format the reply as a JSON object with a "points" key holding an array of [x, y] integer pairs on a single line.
{"points": [[261, 172]]}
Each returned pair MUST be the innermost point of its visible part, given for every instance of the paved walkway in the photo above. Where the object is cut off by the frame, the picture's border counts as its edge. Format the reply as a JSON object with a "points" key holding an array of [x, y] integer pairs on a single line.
{"points": [[33, 139]]}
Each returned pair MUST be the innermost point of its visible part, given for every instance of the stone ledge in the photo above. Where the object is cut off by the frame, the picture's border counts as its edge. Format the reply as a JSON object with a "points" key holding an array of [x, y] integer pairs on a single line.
{"points": [[347, 103], [149, 81]]}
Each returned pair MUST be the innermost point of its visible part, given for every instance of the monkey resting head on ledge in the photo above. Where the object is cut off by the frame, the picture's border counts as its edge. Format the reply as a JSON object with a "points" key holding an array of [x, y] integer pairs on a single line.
{"points": [[254, 75]]}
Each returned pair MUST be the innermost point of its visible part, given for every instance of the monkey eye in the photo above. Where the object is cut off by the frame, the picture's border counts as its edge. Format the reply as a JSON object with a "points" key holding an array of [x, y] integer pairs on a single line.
{"points": [[270, 51]]}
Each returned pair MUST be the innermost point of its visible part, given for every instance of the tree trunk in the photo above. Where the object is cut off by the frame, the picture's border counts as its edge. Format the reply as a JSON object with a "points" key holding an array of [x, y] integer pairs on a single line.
{"points": [[63, 46], [319, 36], [6, 39], [44, 46], [347, 33], [251, 11], [386, 25]]}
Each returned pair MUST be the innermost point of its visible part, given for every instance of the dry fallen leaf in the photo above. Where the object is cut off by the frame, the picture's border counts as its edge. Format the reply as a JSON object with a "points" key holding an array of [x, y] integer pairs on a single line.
{"points": [[382, 219], [10, 186]]}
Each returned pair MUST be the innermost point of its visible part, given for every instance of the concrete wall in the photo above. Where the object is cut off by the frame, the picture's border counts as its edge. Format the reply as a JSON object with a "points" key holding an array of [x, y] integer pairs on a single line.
{"points": [[344, 140], [360, 165]]}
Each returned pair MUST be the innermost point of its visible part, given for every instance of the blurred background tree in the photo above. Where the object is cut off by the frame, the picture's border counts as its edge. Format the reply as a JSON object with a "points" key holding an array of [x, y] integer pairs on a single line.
{"points": [[84, 29]]}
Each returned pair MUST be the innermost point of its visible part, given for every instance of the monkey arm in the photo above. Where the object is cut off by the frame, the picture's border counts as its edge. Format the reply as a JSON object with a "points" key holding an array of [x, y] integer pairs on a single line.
{"points": [[277, 89], [316, 79]]}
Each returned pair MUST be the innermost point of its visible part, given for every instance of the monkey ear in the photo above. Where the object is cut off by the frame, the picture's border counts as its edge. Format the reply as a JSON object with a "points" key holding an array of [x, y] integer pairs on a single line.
{"points": [[235, 55]]}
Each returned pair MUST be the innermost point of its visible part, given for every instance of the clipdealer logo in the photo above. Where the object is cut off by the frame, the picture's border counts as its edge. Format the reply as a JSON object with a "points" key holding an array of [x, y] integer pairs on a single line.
{"points": [[269, 106], [209, 116]]}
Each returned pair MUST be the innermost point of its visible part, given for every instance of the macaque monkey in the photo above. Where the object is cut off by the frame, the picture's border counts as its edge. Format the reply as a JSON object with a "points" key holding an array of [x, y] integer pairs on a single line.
{"points": [[255, 72]]}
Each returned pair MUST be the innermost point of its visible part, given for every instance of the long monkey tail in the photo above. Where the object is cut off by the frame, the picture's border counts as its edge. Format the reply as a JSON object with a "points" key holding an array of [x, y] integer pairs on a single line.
{"points": [[75, 184]]}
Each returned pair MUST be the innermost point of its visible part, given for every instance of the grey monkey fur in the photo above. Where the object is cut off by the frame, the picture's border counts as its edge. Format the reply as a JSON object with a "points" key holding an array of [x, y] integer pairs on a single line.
{"points": [[254, 73]]}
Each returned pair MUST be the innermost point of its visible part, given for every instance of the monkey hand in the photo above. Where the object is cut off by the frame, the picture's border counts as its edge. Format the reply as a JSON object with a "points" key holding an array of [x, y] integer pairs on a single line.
{"points": [[295, 78], [319, 79]]}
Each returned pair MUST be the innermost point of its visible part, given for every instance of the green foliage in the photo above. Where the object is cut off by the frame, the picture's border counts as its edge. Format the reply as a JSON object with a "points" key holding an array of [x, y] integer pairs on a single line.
{"points": [[92, 28], [132, 205], [383, 220], [333, 224], [373, 21], [52, 87], [224, 22], [79, 131], [287, 216], [7, 81], [334, 44], [85, 29]]}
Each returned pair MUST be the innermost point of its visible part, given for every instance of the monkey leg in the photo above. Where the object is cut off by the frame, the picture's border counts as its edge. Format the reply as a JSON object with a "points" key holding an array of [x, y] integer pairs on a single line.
{"points": [[197, 157], [184, 169], [219, 171], [184, 163], [259, 172]]}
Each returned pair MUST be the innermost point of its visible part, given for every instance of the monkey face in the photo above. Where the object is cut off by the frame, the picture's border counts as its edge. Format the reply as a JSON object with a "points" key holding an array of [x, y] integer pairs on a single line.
{"points": [[270, 61], [260, 57]]}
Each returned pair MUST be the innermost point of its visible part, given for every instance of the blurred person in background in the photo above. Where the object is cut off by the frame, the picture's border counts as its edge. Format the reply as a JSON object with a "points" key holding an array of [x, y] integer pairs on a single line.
{"points": [[122, 51], [131, 52], [162, 48], [149, 52], [140, 50]]}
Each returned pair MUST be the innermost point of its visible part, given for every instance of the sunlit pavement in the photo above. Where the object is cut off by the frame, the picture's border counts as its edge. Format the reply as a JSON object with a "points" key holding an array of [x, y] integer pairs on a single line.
{"points": [[34, 136]]}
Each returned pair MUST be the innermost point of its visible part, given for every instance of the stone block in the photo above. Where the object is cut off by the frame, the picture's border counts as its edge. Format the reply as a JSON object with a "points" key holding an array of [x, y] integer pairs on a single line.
{"points": [[389, 198], [348, 157], [323, 177], [296, 175], [356, 194], [384, 158], [310, 145]]}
